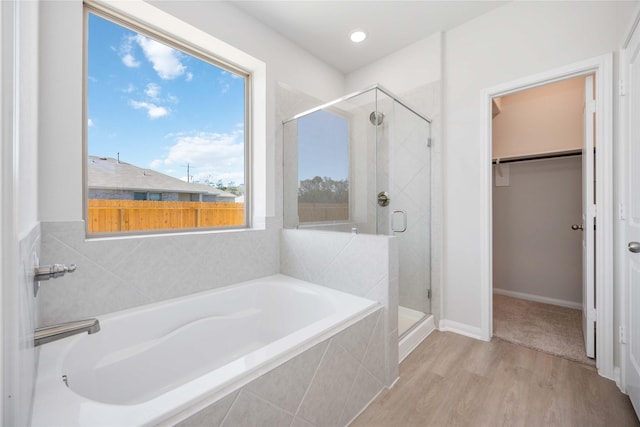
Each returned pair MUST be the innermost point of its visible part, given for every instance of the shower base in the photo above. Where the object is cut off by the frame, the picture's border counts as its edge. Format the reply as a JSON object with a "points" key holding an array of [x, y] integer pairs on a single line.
{"points": [[407, 317]]}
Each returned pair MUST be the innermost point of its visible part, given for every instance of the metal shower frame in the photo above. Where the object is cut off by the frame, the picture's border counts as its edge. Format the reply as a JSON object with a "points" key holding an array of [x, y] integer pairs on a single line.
{"points": [[353, 95]]}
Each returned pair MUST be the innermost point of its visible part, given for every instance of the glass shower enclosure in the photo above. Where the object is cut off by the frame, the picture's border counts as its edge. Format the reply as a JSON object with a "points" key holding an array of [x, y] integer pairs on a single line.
{"points": [[362, 164]]}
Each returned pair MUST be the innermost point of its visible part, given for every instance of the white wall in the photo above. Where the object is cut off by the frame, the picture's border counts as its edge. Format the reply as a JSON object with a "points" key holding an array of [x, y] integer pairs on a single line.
{"points": [[543, 119], [20, 230], [402, 71], [535, 252], [516, 40]]}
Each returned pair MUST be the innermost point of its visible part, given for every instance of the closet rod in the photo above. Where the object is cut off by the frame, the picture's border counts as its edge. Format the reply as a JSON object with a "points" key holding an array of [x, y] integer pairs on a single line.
{"points": [[539, 157]]}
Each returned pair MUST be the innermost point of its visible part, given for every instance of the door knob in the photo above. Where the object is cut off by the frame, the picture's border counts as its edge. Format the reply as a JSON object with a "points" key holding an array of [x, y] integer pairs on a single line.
{"points": [[383, 198], [634, 247], [577, 227]]}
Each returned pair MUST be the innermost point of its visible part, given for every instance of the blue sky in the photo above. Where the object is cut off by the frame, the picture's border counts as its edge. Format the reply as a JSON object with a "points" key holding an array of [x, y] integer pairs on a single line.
{"points": [[162, 109], [323, 146]]}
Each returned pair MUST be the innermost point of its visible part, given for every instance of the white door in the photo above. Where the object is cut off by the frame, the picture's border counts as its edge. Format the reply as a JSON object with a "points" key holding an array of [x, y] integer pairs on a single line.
{"points": [[631, 68], [588, 213]]}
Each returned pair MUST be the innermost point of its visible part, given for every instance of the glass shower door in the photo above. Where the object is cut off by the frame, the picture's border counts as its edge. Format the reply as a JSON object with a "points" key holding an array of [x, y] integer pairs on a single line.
{"points": [[404, 181]]}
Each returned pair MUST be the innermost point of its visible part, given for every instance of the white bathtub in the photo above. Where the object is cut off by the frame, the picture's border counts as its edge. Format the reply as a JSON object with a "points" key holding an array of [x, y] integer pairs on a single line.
{"points": [[150, 363]]}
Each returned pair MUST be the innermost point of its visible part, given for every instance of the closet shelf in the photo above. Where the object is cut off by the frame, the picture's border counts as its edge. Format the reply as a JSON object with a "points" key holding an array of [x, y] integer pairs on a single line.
{"points": [[537, 156]]}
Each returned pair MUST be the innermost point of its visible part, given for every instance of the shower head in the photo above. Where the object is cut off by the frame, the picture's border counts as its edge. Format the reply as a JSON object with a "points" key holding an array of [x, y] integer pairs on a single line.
{"points": [[376, 118]]}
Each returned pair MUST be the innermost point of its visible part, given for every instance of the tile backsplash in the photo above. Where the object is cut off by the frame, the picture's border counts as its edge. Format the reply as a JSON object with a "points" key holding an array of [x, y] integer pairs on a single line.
{"points": [[120, 273]]}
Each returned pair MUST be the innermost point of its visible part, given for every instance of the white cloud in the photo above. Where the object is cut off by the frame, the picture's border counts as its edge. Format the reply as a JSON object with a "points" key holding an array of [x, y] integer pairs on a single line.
{"points": [[225, 80], [152, 90], [130, 61], [212, 156], [153, 111], [165, 60], [189, 77], [224, 85], [126, 53], [130, 89], [89, 123]]}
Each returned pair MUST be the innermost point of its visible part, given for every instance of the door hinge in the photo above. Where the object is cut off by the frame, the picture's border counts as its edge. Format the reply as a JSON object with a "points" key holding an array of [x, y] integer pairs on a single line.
{"points": [[623, 338], [621, 88], [429, 294], [428, 142]]}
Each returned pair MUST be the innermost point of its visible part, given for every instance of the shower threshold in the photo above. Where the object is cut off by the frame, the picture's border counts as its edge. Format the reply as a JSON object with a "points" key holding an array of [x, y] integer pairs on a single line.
{"points": [[413, 327]]}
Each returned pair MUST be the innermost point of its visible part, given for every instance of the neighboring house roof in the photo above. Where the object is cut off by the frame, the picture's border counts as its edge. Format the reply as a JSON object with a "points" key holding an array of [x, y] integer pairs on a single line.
{"points": [[109, 173]]}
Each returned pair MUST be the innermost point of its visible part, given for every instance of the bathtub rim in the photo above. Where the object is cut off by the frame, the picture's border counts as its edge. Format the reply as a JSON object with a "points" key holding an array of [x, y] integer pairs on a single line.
{"points": [[52, 358]]}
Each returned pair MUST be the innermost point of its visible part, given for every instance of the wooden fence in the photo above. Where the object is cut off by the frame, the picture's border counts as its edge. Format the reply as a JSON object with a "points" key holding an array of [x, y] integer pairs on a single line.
{"points": [[316, 212], [136, 215]]}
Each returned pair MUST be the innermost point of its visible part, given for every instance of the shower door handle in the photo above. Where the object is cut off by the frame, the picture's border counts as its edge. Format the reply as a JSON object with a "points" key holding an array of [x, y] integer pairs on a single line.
{"points": [[404, 221]]}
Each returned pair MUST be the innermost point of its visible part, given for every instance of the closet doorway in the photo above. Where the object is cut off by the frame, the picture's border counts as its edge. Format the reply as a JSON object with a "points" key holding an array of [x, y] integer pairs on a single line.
{"points": [[543, 150]]}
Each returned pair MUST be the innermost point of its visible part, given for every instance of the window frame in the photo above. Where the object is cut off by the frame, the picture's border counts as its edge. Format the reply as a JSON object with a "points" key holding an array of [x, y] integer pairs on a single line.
{"points": [[137, 24]]}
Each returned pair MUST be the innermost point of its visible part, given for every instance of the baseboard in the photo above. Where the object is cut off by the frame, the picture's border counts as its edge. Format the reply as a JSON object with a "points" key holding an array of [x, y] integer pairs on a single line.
{"points": [[618, 379], [415, 336], [460, 329], [538, 298]]}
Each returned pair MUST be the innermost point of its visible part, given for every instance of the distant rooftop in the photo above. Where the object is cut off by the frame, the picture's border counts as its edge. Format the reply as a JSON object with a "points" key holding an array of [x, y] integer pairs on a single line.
{"points": [[109, 173]]}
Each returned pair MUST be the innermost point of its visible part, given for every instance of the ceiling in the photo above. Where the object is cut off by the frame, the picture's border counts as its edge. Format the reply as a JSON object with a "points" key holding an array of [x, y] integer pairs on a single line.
{"points": [[323, 27]]}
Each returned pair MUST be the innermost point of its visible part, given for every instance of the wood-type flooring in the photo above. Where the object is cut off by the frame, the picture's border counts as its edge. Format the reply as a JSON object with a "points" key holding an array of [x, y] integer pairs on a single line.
{"points": [[452, 380]]}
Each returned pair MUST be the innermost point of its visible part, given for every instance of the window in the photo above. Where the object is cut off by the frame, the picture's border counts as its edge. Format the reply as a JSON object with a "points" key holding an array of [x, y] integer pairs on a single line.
{"points": [[156, 197], [323, 167], [166, 133]]}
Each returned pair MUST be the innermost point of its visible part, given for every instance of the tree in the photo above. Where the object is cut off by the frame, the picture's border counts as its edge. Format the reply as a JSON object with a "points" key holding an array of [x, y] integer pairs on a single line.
{"points": [[323, 190]]}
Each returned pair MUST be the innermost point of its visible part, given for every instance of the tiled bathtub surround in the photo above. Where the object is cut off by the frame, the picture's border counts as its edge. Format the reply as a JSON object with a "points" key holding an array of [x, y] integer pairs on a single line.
{"points": [[21, 355], [361, 264], [119, 273], [327, 385]]}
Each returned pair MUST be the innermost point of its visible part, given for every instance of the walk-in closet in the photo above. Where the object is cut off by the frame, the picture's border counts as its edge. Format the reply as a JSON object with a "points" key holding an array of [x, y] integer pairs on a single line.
{"points": [[539, 190]]}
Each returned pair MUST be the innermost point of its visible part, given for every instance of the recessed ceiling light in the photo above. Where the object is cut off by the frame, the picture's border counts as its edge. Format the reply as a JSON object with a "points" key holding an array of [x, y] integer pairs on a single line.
{"points": [[358, 36]]}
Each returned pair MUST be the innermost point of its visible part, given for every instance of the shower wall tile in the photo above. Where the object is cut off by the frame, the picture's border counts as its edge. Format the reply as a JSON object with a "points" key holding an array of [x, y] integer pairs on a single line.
{"points": [[356, 339], [360, 396], [325, 400], [394, 295], [118, 273], [363, 265], [251, 411], [352, 263], [212, 415], [327, 385], [286, 385], [299, 422], [374, 360], [393, 353]]}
